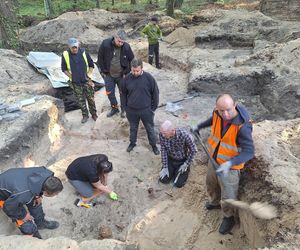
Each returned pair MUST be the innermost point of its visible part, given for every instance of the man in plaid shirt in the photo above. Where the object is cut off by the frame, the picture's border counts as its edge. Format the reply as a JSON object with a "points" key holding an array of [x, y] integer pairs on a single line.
{"points": [[177, 153]]}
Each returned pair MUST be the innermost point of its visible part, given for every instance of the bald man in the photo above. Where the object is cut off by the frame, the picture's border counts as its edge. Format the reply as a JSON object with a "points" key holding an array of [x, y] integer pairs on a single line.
{"points": [[178, 150], [230, 144]]}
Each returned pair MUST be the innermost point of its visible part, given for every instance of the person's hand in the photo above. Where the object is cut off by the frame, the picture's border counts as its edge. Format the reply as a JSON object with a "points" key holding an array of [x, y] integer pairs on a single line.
{"points": [[195, 130], [224, 168], [37, 201], [183, 168], [113, 196], [27, 217], [164, 172]]}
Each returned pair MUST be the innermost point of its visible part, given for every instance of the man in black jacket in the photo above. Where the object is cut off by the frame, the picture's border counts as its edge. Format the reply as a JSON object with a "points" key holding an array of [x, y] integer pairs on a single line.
{"points": [[26, 186], [141, 97], [114, 58]]}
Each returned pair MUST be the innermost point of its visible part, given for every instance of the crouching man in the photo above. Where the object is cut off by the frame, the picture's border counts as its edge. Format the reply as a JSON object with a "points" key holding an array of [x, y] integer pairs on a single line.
{"points": [[178, 150], [89, 176], [25, 187]]}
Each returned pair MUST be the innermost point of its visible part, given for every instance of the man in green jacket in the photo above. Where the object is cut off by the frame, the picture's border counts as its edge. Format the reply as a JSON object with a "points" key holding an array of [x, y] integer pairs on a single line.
{"points": [[153, 33]]}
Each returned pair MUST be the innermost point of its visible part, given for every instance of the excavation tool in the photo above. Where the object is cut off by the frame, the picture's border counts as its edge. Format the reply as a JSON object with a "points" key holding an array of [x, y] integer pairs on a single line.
{"points": [[231, 193], [173, 185], [179, 100], [261, 210]]}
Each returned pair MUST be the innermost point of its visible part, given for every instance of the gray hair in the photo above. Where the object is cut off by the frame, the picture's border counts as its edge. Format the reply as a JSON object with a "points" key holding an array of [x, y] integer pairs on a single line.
{"points": [[136, 62], [167, 126], [121, 34]]}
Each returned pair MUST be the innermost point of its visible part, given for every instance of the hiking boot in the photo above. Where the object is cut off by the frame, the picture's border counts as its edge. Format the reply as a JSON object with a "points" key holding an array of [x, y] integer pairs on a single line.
{"points": [[158, 67], [112, 112], [227, 225], [37, 235], [123, 114], [155, 150], [81, 203], [84, 119], [130, 147], [94, 117], [210, 206], [46, 224]]}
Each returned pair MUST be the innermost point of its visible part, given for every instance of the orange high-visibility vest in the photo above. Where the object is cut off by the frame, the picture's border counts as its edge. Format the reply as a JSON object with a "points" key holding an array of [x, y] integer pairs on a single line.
{"points": [[228, 147]]}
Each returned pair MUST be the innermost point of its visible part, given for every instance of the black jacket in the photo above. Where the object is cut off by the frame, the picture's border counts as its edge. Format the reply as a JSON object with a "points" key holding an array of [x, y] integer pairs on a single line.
{"points": [[18, 186], [105, 55], [140, 92]]}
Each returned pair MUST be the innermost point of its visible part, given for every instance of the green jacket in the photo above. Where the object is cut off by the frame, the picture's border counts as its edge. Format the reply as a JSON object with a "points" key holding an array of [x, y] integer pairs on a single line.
{"points": [[153, 32]]}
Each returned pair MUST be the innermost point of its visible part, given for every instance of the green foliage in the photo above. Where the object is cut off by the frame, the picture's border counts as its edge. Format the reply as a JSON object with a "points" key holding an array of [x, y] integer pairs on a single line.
{"points": [[11, 34], [35, 8]]}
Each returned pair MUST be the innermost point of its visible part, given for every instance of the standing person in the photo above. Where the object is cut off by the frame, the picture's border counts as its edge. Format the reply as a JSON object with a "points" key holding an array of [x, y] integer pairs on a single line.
{"points": [[153, 33], [77, 64], [178, 151], [88, 175], [114, 58], [231, 146], [20, 187], [141, 97]]}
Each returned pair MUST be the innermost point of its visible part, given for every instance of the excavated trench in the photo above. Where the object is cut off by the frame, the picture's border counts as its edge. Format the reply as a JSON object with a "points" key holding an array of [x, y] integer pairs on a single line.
{"points": [[141, 215]]}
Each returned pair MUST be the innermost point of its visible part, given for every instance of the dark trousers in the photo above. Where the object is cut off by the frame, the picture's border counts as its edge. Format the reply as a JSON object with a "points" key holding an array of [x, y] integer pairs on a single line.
{"points": [[147, 117], [84, 93], [153, 50], [110, 86], [173, 166], [30, 227]]}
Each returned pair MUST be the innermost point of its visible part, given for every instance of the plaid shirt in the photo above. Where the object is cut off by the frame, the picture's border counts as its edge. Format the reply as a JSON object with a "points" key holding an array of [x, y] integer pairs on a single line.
{"points": [[179, 147]]}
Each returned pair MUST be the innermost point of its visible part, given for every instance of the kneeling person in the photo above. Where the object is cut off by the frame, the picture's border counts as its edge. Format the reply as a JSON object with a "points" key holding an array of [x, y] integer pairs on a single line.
{"points": [[88, 175], [177, 152], [20, 187]]}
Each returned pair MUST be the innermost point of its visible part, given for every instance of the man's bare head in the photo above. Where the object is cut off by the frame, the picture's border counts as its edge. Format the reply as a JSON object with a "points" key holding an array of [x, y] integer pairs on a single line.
{"points": [[167, 129], [225, 106]]}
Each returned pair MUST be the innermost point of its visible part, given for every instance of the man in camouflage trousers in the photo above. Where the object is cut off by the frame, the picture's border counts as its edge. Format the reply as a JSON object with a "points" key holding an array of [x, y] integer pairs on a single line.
{"points": [[78, 66]]}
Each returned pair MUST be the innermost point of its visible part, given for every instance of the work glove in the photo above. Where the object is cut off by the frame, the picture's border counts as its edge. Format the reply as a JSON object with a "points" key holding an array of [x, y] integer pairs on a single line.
{"points": [[195, 130], [224, 168], [113, 196], [183, 168], [164, 172]]}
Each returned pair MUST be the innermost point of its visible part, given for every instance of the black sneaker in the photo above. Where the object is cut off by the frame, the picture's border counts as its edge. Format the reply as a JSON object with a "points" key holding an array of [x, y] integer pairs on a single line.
{"points": [[210, 206], [37, 235], [84, 119], [155, 150], [46, 224], [130, 147], [227, 225], [112, 112]]}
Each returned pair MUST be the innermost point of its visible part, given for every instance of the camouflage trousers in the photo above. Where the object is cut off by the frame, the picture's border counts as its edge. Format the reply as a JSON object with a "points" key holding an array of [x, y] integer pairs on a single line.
{"points": [[84, 93]]}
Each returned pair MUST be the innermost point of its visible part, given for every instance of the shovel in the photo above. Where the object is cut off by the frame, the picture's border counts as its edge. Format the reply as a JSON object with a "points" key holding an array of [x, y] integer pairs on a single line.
{"points": [[261, 210]]}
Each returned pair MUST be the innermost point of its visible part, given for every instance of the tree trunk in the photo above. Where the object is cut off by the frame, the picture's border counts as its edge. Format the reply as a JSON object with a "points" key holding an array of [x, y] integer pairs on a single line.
{"points": [[48, 8], [97, 3], [170, 7], [112, 2], [178, 4], [8, 25], [132, 1]]}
